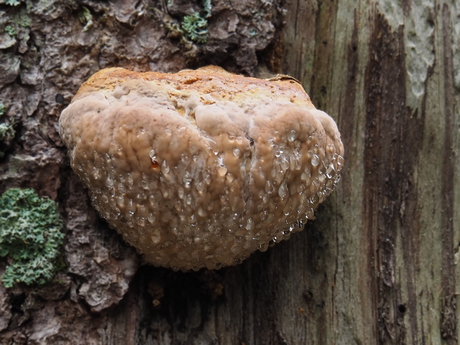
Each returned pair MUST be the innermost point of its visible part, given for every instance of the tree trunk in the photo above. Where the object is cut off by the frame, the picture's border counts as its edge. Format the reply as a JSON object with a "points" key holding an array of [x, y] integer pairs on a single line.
{"points": [[377, 266], [389, 72]]}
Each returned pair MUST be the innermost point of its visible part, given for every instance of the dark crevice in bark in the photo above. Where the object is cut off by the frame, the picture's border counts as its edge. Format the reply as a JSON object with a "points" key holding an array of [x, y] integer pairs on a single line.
{"points": [[393, 139], [347, 116]]}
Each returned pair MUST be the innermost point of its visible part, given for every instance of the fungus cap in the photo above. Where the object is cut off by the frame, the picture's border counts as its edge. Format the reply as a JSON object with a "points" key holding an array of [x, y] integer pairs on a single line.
{"points": [[200, 168]]}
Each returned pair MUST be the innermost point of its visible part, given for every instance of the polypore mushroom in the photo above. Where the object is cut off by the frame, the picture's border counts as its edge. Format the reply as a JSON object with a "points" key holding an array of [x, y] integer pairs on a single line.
{"points": [[200, 168]]}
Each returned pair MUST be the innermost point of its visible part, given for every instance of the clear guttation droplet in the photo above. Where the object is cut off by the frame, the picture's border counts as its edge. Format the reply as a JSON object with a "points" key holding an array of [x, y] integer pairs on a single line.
{"points": [[151, 218], [340, 161], [221, 171], [315, 160], [156, 237], [282, 191], [165, 168], [230, 177], [202, 212]]}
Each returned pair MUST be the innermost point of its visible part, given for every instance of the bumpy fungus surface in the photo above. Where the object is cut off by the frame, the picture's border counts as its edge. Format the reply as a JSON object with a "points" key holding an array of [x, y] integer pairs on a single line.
{"points": [[30, 235], [200, 168]]}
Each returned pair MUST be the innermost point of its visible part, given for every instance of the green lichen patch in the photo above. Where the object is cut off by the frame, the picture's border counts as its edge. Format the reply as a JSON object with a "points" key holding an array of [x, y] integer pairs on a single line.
{"points": [[86, 18], [12, 2], [22, 18], [30, 236], [207, 8], [6, 134], [10, 30], [195, 28]]}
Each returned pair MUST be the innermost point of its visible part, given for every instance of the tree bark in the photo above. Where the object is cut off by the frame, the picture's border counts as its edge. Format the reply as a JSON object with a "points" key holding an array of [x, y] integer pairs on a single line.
{"points": [[389, 72], [377, 266]]}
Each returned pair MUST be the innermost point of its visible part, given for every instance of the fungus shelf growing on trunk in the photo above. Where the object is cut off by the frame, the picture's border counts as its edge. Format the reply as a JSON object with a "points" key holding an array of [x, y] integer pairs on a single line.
{"points": [[200, 168]]}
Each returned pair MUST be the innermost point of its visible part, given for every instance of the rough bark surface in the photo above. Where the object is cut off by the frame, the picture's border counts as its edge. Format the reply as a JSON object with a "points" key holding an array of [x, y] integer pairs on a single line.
{"points": [[378, 266], [389, 72]]}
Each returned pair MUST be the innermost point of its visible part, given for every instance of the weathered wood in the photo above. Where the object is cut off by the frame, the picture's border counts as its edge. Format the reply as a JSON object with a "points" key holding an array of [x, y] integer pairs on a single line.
{"points": [[387, 71]]}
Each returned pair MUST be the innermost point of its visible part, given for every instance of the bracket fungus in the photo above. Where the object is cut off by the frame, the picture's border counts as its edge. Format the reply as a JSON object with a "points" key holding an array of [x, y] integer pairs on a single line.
{"points": [[202, 167]]}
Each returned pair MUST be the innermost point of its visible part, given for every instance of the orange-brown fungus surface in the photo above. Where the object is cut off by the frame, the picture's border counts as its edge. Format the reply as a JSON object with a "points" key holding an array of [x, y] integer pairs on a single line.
{"points": [[200, 168]]}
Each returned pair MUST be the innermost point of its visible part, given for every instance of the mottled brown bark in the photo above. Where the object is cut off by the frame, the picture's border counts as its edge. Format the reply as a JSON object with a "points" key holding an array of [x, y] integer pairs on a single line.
{"points": [[377, 266]]}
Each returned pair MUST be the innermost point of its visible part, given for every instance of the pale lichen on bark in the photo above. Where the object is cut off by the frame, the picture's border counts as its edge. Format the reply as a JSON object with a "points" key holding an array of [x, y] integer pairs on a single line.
{"points": [[417, 22], [420, 56]]}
